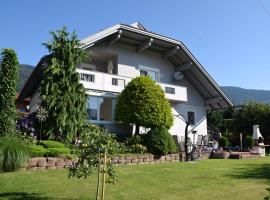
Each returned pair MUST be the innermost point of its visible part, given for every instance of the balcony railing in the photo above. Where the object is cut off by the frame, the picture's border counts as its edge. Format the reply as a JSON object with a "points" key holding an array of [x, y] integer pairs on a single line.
{"points": [[113, 83]]}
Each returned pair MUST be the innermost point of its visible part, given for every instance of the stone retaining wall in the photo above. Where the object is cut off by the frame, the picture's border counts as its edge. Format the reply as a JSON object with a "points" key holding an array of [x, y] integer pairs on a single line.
{"points": [[38, 163], [144, 159]]}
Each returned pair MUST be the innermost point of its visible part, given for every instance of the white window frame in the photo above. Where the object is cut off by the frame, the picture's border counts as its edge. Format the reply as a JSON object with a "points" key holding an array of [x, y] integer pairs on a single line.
{"points": [[146, 68]]}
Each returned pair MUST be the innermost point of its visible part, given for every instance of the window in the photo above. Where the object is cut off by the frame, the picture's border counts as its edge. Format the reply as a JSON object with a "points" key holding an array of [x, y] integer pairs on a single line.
{"points": [[93, 106], [114, 81], [87, 77], [100, 108], [191, 117], [106, 112], [169, 90], [143, 73], [152, 72], [118, 82]]}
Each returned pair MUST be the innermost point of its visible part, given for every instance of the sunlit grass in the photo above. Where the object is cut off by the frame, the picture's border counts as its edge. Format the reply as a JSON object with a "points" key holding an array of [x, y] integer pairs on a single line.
{"points": [[204, 180]]}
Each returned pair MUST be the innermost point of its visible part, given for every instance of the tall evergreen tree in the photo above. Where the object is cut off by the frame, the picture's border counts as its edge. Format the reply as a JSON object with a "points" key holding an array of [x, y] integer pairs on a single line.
{"points": [[9, 71], [62, 95]]}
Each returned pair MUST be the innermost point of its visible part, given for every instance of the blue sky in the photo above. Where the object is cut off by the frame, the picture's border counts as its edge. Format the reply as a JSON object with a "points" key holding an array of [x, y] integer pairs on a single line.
{"points": [[230, 38]]}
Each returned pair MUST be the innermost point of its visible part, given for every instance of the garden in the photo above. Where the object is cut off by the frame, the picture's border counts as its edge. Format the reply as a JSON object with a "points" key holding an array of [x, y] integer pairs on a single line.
{"points": [[207, 179], [57, 134]]}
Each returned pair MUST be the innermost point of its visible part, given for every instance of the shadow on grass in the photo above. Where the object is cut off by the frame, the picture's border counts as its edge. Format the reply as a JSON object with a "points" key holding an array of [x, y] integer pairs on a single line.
{"points": [[251, 171], [26, 196]]}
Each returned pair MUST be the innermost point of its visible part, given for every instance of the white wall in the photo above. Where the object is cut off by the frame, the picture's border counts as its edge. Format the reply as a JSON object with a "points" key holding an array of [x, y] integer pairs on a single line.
{"points": [[128, 64], [179, 125], [129, 61]]}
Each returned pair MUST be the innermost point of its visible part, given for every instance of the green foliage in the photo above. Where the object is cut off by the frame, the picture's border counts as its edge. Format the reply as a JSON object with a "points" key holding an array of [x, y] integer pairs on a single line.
{"points": [[8, 82], [37, 151], [134, 145], [51, 144], [49, 148], [96, 141], [249, 141], [143, 103], [136, 139], [56, 152], [13, 153], [159, 141], [138, 149], [250, 114], [223, 142], [62, 95]]}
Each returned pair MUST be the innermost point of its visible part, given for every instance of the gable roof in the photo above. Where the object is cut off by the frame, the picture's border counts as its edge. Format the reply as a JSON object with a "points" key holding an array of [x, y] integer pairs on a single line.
{"points": [[197, 75], [173, 50]]}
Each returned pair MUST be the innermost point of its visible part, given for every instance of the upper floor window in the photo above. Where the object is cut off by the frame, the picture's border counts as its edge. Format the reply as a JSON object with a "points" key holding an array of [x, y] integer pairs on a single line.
{"points": [[169, 90], [152, 72], [191, 117], [87, 77]]}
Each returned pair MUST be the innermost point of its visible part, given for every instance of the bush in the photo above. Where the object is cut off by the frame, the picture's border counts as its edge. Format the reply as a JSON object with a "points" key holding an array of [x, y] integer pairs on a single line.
{"points": [[223, 142], [56, 152], [136, 139], [52, 144], [159, 141], [37, 151], [249, 141], [138, 148], [13, 153]]}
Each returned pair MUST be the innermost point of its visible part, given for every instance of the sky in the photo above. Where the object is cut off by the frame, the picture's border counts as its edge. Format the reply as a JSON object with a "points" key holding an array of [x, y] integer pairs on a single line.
{"points": [[230, 38]]}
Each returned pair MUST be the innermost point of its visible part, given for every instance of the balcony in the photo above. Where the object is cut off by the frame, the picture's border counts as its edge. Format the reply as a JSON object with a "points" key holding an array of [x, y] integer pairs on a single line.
{"points": [[113, 83]]}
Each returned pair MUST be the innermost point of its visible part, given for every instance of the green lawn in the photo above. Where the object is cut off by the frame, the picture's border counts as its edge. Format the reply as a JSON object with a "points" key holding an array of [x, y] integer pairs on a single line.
{"points": [[204, 180]]}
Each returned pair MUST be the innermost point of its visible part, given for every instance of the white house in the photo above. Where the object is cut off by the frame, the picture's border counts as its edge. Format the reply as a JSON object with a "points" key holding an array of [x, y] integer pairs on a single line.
{"points": [[123, 52]]}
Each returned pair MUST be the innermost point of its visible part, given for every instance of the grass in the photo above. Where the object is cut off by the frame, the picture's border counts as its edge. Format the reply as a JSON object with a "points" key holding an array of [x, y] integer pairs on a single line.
{"points": [[204, 180]]}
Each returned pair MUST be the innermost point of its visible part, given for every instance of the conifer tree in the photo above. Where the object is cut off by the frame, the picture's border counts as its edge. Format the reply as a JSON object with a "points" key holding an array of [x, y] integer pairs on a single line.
{"points": [[9, 71], [62, 95]]}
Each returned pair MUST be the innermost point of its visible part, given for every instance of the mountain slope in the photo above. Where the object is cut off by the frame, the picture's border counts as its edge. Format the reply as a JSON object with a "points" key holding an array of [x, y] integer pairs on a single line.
{"points": [[24, 73], [240, 95]]}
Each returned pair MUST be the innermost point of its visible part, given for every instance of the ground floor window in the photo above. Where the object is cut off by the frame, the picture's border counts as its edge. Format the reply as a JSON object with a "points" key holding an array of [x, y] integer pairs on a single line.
{"points": [[101, 108]]}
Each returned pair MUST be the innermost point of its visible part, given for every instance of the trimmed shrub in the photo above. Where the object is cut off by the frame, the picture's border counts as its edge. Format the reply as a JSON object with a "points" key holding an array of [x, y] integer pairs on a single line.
{"points": [[52, 144], [56, 152], [223, 142], [143, 103], [159, 141], [249, 141], [13, 153], [137, 148], [37, 151]]}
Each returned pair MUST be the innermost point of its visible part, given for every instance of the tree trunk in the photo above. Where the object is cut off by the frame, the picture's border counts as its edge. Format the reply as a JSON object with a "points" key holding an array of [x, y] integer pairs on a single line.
{"points": [[186, 141], [137, 129], [104, 176]]}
